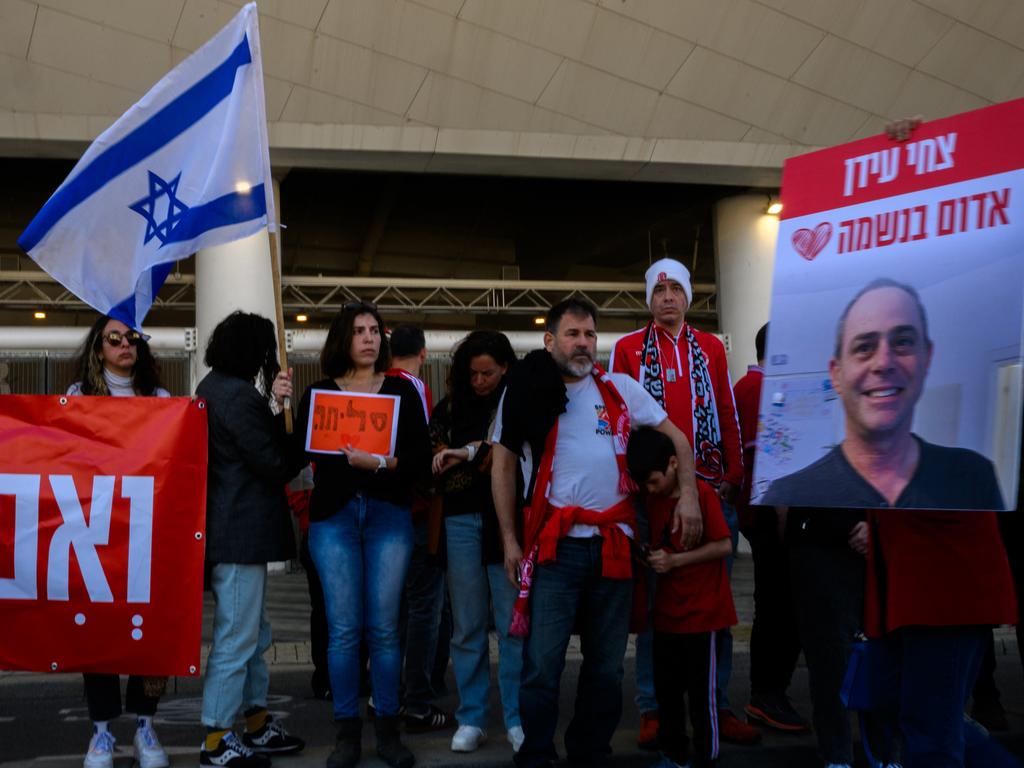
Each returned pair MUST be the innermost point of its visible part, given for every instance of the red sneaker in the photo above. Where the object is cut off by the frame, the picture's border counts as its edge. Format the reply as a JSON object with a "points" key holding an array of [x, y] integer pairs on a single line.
{"points": [[648, 736], [734, 730]]}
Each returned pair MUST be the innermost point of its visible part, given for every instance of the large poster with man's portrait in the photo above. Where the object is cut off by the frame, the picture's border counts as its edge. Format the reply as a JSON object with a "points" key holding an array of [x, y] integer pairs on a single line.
{"points": [[893, 364]]}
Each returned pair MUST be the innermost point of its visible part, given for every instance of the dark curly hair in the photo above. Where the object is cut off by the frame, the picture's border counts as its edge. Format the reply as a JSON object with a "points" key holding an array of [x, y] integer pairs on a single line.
{"points": [[336, 356], [493, 343], [89, 368], [244, 345]]}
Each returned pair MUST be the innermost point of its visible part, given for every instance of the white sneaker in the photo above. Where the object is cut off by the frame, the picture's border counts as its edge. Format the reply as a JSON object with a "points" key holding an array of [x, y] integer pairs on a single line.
{"points": [[468, 738], [516, 737], [148, 752], [101, 751]]}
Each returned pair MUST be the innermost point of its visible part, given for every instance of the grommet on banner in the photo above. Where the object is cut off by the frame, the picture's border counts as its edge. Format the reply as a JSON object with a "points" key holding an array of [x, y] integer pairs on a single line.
{"points": [[53, 666], [192, 669], [199, 535], [63, 401], [202, 404]]}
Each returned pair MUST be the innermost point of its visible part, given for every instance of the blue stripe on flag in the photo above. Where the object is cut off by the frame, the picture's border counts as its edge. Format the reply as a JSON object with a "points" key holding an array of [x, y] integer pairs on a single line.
{"points": [[164, 126], [125, 311], [233, 208]]}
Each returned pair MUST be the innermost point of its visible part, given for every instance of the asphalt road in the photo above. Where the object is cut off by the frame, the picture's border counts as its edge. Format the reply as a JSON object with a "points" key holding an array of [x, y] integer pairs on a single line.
{"points": [[43, 720]]}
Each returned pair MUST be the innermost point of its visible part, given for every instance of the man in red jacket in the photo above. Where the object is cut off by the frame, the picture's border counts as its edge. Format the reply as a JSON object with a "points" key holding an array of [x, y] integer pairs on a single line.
{"points": [[686, 371]]}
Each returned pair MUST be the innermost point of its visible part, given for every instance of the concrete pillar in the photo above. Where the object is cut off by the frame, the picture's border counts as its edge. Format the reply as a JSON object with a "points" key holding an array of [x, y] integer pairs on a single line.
{"points": [[229, 277], [745, 247]]}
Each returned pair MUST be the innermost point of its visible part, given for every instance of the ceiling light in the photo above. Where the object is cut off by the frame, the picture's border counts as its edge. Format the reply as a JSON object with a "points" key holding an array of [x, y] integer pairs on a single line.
{"points": [[774, 207], [243, 187], [301, 318], [39, 315], [538, 321]]}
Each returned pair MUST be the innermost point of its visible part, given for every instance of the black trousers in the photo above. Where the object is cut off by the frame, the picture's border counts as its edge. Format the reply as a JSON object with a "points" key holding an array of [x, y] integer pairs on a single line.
{"points": [[828, 585], [684, 668], [103, 696], [774, 637], [317, 619]]}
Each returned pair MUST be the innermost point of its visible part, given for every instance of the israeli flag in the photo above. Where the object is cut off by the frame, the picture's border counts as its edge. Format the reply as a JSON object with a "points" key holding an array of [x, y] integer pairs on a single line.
{"points": [[187, 167]]}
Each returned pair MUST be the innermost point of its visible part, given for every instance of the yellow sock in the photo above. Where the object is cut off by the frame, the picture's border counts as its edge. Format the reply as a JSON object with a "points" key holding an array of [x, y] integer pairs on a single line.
{"points": [[256, 720], [213, 739]]}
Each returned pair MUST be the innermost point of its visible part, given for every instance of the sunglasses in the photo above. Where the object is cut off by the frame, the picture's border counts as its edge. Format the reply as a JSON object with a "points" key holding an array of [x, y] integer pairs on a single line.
{"points": [[369, 306], [114, 338]]}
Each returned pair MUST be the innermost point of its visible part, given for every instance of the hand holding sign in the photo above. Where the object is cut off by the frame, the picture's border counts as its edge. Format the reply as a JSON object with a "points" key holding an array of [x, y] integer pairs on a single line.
{"points": [[353, 423]]}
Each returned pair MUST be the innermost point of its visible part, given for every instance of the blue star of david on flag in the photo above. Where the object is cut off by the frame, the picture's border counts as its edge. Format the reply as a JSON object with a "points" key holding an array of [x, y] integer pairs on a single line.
{"points": [[173, 211]]}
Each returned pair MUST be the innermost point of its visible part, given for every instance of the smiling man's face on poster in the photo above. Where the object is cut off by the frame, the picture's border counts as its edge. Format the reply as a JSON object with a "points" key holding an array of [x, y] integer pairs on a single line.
{"points": [[881, 362]]}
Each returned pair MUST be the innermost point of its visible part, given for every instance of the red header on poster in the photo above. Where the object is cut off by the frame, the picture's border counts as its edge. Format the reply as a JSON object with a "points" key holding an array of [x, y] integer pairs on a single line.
{"points": [[967, 146], [102, 534]]}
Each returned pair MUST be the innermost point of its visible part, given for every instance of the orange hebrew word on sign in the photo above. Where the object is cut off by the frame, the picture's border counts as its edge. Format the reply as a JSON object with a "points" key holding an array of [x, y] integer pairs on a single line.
{"points": [[366, 422]]}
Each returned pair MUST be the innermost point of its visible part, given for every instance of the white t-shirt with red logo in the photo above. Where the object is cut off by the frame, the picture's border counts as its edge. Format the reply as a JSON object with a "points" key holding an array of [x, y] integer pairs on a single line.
{"points": [[585, 472]]}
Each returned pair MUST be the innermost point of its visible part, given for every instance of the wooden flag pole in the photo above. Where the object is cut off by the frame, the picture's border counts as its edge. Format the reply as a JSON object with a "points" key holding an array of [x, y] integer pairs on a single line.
{"points": [[282, 352]]}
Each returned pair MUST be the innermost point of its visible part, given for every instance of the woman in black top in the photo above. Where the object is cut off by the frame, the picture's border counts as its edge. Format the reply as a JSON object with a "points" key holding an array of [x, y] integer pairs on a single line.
{"points": [[360, 533], [461, 427]]}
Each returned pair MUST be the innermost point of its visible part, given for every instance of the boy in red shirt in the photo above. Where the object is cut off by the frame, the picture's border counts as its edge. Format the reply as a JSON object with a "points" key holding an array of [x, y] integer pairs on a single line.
{"points": [[692, 601]]}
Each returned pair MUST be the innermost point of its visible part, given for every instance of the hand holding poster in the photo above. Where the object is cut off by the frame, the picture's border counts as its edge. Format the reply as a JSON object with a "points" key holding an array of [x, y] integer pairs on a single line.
{"points": [[893, 371], [364, 421], [102, 534]]}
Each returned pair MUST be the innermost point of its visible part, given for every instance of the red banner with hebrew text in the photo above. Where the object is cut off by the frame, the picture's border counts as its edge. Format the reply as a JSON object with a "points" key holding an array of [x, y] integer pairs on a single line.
{"points": [[102, 533]]}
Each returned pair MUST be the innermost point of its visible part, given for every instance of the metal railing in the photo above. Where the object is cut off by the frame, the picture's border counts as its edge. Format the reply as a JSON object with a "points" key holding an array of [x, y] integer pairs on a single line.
{"points": [[309, 293]]}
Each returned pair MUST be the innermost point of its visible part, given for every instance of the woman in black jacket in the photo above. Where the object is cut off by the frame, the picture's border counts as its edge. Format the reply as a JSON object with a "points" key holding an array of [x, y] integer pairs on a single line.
{"points": [[360, 533], [247, 526]]}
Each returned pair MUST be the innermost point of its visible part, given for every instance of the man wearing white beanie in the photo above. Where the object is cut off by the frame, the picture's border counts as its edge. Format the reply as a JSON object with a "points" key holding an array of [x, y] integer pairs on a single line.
{"points": [[686, 371]]}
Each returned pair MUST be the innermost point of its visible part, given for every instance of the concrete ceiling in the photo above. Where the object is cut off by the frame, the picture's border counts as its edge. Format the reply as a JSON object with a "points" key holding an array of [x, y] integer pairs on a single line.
{"points": [[691, 90]]}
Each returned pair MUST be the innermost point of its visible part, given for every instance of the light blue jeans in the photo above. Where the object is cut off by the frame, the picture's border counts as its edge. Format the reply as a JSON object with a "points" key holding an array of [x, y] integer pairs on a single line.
{"points": [[474, 587], [362, 555], [236, 675]]}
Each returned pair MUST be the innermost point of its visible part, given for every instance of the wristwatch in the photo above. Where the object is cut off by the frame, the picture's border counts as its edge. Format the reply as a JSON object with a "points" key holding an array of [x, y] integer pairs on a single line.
{"points": [[382, 462]]}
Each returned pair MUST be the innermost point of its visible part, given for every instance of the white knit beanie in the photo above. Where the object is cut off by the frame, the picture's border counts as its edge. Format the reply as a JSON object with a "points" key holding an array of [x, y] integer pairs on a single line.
{"points": [[668, 269]]}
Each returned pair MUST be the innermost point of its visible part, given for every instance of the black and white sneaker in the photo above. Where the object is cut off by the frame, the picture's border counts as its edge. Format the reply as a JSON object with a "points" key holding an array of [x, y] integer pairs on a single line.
{"points": [[233, 753], [272, 738]]}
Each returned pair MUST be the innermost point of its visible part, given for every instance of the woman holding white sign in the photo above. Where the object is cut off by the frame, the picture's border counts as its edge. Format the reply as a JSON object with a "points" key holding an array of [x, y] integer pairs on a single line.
{"points": [[366, 434], [115, 360]]}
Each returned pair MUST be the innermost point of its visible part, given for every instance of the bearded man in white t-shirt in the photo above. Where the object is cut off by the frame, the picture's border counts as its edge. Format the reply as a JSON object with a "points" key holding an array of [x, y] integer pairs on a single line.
{"points": [[568, 423]]}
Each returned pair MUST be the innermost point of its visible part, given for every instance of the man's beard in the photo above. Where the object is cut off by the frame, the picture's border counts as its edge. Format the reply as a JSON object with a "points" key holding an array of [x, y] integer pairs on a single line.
{"points": [[573, 367]]}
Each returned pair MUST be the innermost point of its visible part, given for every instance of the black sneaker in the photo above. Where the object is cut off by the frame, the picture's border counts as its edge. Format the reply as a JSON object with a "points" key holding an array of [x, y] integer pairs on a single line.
{"points": [[232, 752], [272, 738], [434, 719], [775, 711]]}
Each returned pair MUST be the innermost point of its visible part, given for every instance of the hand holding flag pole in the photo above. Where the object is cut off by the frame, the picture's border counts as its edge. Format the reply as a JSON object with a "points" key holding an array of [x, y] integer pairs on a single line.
{"points": [[282, 351]]}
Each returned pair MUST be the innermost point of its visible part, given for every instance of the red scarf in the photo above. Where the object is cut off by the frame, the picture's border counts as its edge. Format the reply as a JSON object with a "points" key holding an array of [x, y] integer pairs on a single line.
{"points": [[544, 525]]}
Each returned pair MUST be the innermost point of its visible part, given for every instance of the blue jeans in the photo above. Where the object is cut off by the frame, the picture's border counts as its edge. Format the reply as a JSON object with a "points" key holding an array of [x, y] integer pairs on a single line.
{"points": [[723, 638], [362, 554], [478, 586], [236, 674], [568, 592], [938, 666]]}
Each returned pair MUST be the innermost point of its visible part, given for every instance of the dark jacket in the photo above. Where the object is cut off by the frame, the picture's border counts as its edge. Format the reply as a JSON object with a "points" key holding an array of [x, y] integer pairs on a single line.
{"points": [[466, 487], [335, 482], [247, 518]]}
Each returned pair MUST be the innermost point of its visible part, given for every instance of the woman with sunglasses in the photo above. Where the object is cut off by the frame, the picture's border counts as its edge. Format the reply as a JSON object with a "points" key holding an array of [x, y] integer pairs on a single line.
{"points": [[361, 535], [115, 360]]}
